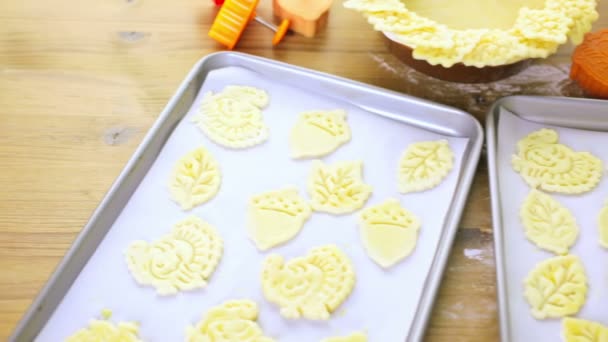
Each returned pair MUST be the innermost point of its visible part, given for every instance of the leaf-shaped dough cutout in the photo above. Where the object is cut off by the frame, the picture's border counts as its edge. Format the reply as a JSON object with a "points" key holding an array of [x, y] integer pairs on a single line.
{"points": [[233, 117], [275, 217], [554, 167], [102, 330], [232, 321], [195, 179], [424, 165], [389, 232], [181, 260], [312, 286], [548, 223], [318, 133], [580, 330], [337, 188], [354, 337], [603, 226], [556, 287]]}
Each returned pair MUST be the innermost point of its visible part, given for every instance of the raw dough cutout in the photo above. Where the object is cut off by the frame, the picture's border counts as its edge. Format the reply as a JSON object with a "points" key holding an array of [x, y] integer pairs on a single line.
{"points": [[603, 226], [389, 232], [580, 330], [234, 320], [275, 217], [312, 286], [354, 337], [337, 188], [182, 260], [195, 180], [556, 287], [547, 223], [102, 330], [318, 133], [233, 117], [550, 166], [424, 165]]}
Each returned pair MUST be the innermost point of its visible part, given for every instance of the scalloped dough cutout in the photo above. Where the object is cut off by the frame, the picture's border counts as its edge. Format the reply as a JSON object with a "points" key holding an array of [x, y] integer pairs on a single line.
{"points": [[233, 117], [546, 164], [354, 337], [556, 287], [580, 330], [195, 179], [318, 133], [234, 320], [275, 217], [182, 260], [424, 165], [389, 232], [310, 287], [547, 223], [603, 225], [337, 188], [103, 330]]}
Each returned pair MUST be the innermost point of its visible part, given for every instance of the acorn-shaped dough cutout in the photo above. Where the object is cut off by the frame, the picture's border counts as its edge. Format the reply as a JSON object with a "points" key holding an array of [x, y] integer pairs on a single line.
{"points": [[275, 217], [389, 232], [318, 133]]}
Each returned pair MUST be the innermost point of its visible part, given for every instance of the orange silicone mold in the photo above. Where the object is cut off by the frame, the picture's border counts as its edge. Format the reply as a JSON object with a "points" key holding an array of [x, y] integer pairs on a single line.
{"points": [[590, 64]]}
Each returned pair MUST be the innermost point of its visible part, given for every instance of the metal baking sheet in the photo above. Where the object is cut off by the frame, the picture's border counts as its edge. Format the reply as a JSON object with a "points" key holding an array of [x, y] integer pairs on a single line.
{"points": [[583, 125], [93, 275]]}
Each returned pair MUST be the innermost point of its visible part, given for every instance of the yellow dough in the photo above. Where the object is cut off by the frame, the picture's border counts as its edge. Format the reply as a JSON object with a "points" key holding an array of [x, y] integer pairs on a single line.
{"points": [[181, 260], [337, 188], [354, 337], [603, 225], [318, 133], [195, 179], [424, 165], [389, 232], [312, 286], [496, 32], [580, 330], [232, 321], [233, 117], [556, 287], [547, 223], [550, 166], [102, 330], [275, 217]]}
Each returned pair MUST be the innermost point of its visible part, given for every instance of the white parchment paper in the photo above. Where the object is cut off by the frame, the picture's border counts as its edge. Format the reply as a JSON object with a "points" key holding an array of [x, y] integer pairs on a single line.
{"points": [[521, 255], [383, 303]]}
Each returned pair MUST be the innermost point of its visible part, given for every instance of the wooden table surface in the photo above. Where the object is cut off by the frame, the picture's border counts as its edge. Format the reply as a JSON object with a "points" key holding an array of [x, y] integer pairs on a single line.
{"points": [[81, 81]]}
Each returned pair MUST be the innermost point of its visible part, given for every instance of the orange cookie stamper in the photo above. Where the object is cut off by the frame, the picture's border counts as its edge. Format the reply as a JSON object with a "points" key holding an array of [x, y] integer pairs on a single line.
{"points": [[590, 64]]}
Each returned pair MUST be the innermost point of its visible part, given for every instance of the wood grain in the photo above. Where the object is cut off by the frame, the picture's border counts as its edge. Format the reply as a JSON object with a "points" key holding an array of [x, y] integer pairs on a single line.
{"points": [[81, 81]]}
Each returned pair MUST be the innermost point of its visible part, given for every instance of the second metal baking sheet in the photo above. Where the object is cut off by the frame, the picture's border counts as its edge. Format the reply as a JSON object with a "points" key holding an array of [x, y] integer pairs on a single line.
{"points": [[384, 303], [583, 126]]}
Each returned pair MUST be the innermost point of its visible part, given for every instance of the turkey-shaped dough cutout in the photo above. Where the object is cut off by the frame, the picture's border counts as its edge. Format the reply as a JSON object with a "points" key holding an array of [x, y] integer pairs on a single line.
{"points": [[233, 117], [195, 179], [354, 337], [103, 330], [603, 225], [580, 330], [424, 165], [556, 287], [544, 163], [181, 260], [275, 217], [389, 232], [337, 188], [309, 287], [232, 321], [318, 133], [547, 223]]}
